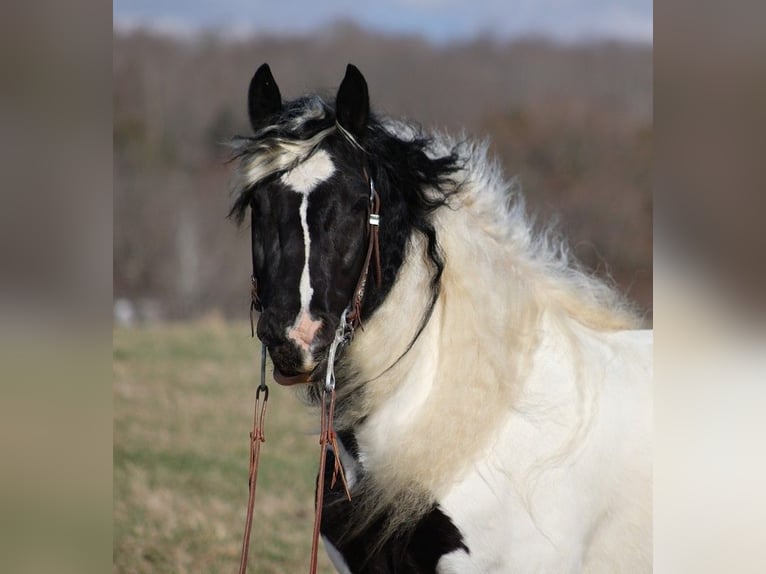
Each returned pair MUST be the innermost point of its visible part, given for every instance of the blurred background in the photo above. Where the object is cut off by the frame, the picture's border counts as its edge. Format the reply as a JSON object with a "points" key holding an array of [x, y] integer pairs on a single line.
{"points": [[165, 406], [563, 91]]}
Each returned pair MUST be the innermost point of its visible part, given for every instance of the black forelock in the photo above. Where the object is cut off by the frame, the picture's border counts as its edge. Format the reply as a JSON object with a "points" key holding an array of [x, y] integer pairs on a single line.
{"points": [[299, 121], [398, 164]]}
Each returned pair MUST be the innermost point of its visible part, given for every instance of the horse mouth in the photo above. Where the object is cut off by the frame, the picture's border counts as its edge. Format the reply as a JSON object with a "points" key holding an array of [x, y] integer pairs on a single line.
{"points": [[290, 378], [290, 370], [291, 366]]}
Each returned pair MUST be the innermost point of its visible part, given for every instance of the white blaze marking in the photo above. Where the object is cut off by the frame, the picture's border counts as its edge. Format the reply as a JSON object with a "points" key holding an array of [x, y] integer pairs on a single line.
{"points": [[306, 290], [304, 330], [303, 179]]}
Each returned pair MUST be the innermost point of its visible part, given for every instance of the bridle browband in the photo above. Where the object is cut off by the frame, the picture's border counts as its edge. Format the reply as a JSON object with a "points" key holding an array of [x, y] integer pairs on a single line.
{"points": [[350, 319]]}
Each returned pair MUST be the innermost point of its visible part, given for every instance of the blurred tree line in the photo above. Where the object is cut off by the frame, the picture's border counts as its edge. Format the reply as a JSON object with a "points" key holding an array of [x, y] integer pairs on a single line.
{"points": [[572, 122]]}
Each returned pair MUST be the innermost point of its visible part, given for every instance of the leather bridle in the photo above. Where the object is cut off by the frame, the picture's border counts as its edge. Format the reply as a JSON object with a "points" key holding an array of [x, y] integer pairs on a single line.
{"points": [[373, 255], [350, 319]]}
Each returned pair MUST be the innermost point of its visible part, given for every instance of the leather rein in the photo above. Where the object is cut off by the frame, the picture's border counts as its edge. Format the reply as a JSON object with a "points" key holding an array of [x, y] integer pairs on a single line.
{"points": [[350, 319]]}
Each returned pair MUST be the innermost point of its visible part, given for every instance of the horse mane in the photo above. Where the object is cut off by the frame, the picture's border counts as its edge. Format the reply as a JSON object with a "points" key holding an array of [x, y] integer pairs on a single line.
{"points": [[478, 254], [501, 276], [540, 253]]}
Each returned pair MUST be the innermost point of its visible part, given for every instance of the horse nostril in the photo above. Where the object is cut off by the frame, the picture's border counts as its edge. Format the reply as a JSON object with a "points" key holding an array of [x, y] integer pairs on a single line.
{"points": [[302, 332], [324, 336], [268, 330]]}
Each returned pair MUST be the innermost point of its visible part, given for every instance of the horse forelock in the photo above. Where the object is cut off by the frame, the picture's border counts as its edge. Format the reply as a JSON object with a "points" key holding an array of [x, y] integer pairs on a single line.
{"points": [[291, 138]]}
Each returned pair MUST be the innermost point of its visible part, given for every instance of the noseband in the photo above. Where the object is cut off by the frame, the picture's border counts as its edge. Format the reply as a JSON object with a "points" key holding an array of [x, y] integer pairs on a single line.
{"points": [[350, 319]]}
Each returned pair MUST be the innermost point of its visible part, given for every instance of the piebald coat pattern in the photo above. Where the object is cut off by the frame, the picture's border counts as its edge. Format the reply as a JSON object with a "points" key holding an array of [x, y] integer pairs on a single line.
{"points": [[494, 413]]}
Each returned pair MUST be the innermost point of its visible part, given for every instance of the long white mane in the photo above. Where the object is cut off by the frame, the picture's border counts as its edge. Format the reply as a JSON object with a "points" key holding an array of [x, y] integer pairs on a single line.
{"points": [[503, 283]]}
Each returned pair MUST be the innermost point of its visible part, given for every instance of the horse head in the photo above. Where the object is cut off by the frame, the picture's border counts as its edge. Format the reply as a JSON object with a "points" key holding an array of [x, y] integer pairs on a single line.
{"points": [[309, 202]]}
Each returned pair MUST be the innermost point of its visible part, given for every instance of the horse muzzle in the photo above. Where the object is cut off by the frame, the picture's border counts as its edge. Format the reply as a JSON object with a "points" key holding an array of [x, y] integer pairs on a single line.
{"points": [[290, 380], [295, 350]]}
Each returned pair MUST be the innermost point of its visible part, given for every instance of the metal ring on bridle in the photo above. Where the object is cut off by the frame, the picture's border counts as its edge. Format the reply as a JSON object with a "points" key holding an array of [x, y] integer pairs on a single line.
{"points": [[342, 337], [263, 386]]}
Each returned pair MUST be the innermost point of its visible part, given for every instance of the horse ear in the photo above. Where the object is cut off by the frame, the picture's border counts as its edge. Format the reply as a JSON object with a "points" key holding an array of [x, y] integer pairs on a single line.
{"points": [[352, 104], [263, 97]]}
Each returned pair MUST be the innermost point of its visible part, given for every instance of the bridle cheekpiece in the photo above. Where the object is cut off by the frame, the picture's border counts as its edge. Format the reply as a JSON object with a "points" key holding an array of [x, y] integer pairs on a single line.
{"points": [[350, 319]]}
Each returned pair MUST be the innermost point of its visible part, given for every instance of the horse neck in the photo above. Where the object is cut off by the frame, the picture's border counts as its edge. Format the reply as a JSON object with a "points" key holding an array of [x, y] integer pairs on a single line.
{"points": [[422, 417], [457, 383]]}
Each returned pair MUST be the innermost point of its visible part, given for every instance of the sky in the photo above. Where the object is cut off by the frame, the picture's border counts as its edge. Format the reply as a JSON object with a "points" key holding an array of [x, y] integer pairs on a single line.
{"points": [[438, 20]]}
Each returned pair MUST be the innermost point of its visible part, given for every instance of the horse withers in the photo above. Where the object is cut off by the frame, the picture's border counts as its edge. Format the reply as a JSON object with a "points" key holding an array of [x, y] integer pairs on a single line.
{"points": [[494, 408]]}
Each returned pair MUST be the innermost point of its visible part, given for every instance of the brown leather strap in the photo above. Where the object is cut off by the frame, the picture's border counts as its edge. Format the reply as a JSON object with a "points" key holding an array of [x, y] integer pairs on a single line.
{"points": [[257, 436], [320, 490], [373, 255], [327, 437], [374, 234]]}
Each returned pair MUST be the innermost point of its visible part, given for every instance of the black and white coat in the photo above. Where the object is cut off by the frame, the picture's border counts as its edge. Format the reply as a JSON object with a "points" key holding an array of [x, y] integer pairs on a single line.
{"points": [[495, 411]]}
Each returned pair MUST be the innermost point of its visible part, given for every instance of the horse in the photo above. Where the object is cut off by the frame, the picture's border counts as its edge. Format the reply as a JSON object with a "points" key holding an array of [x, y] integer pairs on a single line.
{"points": [[493, 407]]}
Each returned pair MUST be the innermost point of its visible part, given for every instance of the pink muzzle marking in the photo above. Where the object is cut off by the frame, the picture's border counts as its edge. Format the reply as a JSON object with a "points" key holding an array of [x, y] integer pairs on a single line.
{"points": [[304, 330]]}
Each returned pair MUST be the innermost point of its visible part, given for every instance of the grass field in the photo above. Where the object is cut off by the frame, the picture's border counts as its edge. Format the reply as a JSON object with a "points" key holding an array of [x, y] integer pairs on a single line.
{"points": [[183, 400]]}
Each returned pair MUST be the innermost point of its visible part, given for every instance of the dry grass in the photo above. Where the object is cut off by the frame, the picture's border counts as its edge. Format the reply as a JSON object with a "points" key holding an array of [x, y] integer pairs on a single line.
{"points": [[183, 397]]}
